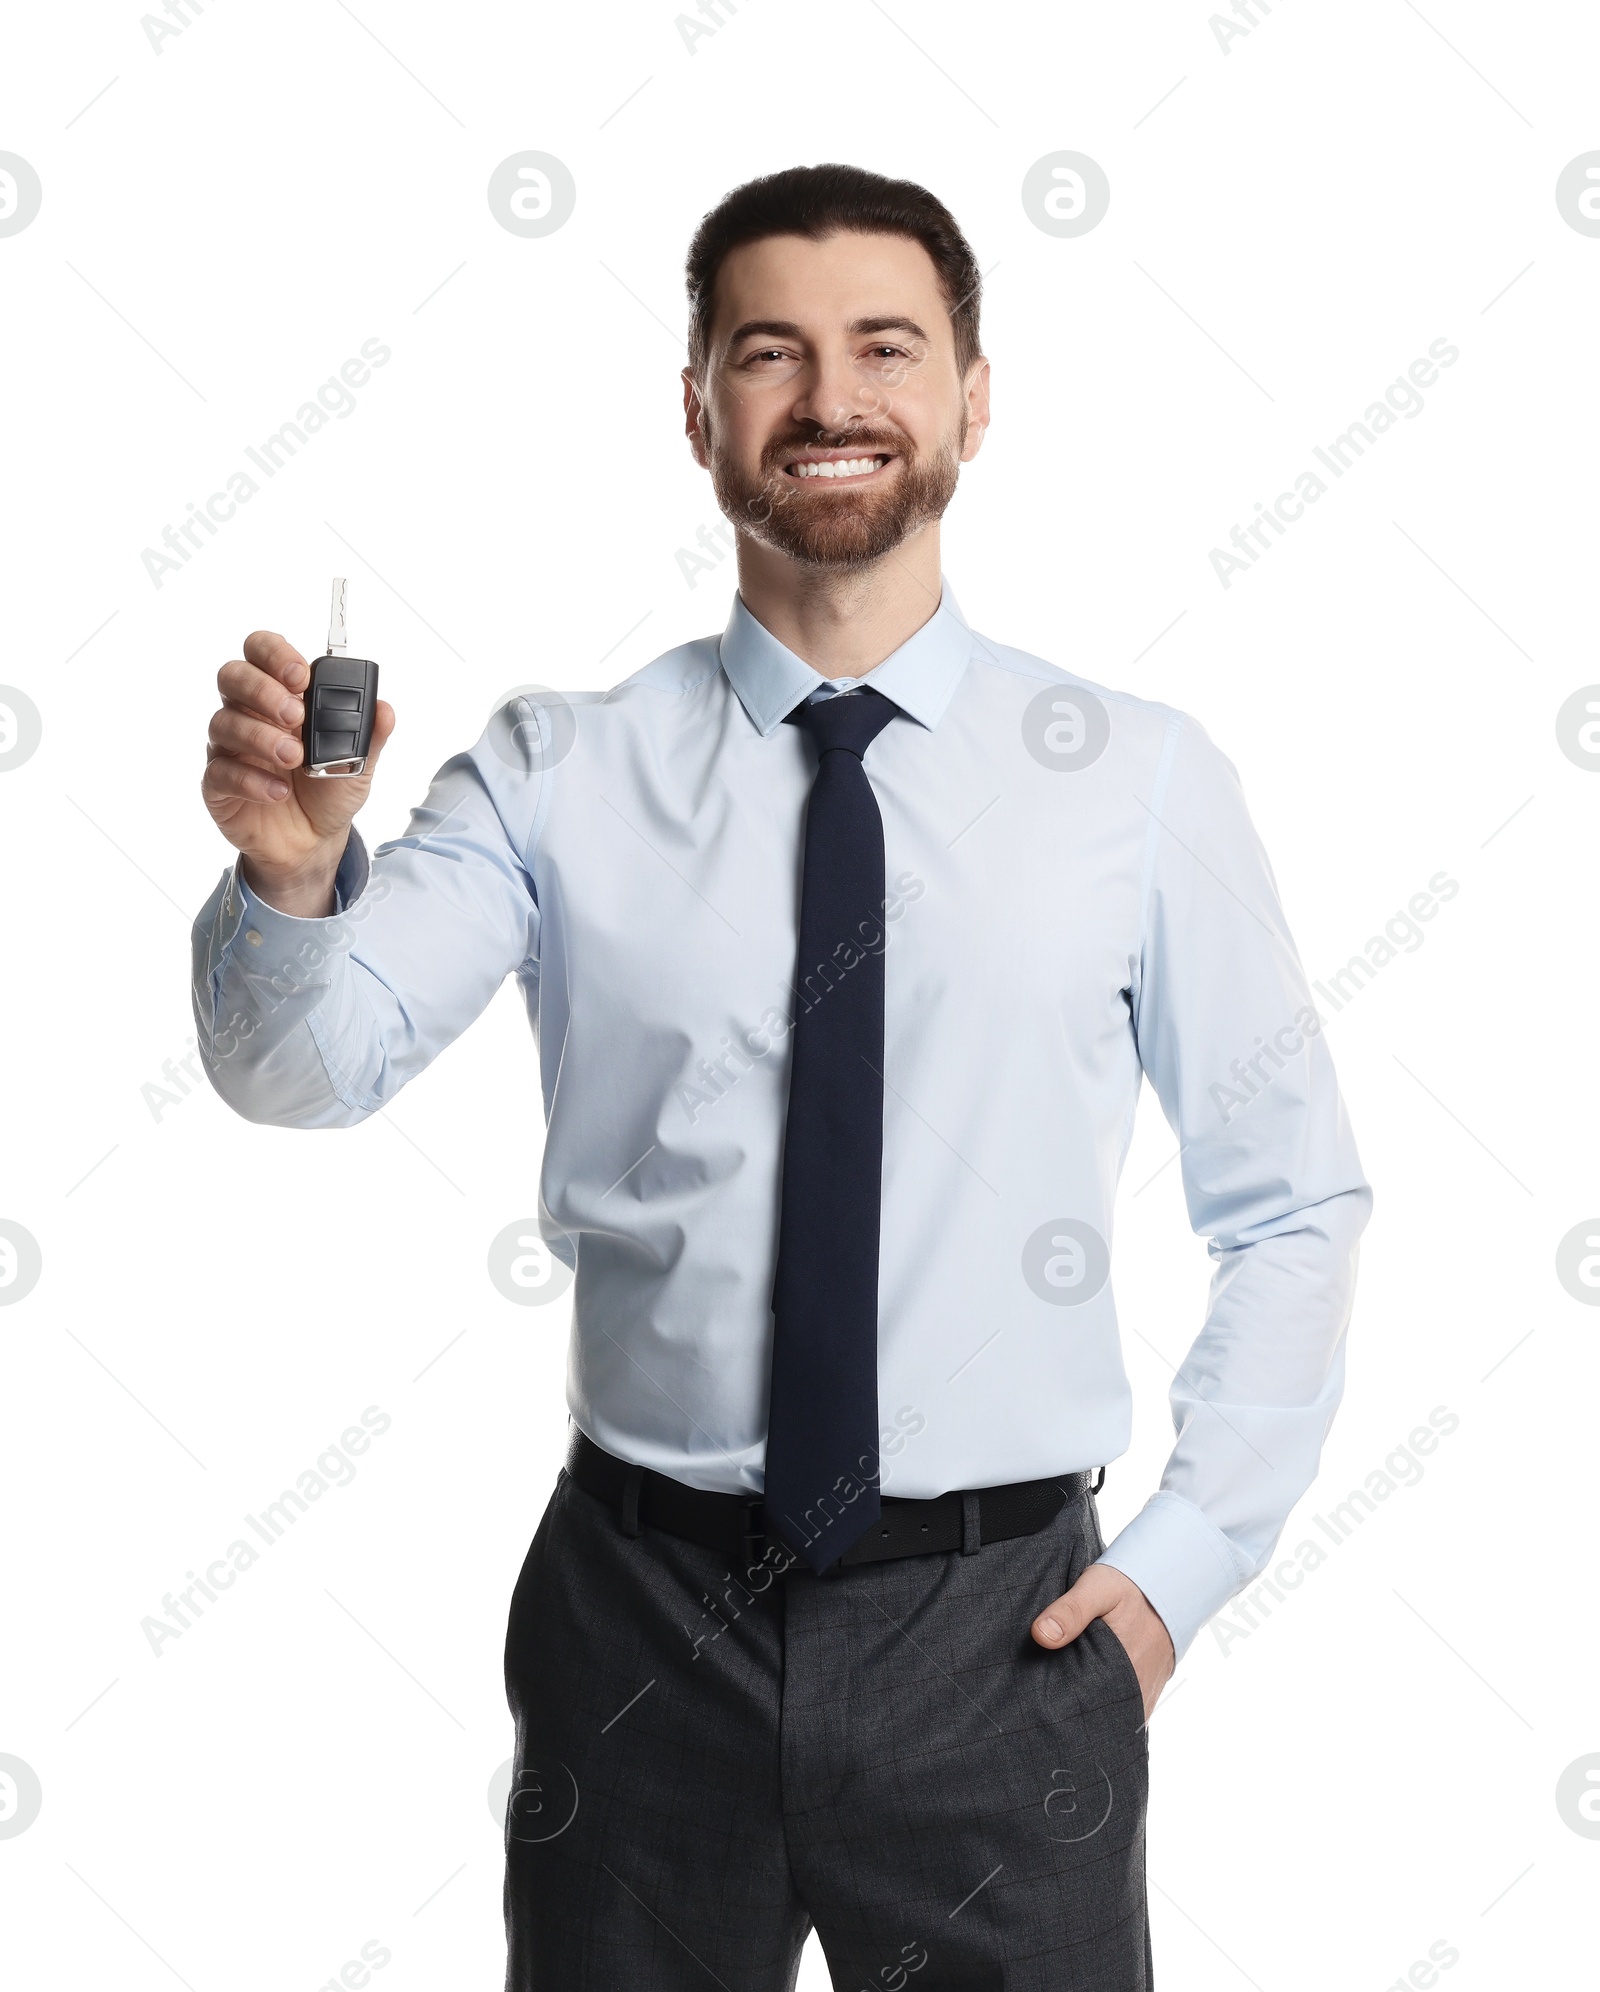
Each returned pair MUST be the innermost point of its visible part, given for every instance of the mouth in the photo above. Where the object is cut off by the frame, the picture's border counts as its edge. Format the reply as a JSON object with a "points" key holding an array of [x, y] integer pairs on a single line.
{"points": [[838, 466]]}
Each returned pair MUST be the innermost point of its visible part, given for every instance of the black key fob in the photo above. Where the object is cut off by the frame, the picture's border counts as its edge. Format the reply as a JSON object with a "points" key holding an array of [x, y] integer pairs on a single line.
{"points": [[341, 701]]}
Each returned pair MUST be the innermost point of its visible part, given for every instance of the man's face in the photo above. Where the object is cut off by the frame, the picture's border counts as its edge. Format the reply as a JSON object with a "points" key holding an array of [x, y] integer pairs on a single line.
{"points": [[831, 414]]}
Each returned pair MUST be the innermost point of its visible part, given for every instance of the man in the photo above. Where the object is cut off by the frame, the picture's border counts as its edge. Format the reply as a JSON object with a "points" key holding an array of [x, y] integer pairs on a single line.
{"points": [[842, 1024]]}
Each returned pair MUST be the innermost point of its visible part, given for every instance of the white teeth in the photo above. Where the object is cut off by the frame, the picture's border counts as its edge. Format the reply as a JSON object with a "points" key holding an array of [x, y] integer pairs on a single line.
{"points": [[849, 467]]}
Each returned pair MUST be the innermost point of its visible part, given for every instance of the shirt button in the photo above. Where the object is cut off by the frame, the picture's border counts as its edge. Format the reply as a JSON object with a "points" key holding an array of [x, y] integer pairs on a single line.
{"points": [[253, 938]]}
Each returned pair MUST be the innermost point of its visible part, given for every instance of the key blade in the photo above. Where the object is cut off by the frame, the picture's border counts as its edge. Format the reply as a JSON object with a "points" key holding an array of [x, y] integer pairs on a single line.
{"points": [[338, 638]]}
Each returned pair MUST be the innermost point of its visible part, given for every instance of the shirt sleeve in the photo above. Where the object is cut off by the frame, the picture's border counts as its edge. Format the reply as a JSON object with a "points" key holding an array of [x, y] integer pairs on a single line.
{"points": [[318, 1023], [1232, 1042]]}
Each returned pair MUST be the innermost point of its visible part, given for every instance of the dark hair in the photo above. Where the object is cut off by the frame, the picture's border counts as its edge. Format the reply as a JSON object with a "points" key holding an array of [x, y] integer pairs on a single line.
{"points": [[816, 201]]}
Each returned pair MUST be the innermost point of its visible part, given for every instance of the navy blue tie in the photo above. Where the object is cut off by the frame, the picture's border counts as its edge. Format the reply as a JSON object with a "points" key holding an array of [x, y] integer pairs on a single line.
{"points": [[821, 1489]]}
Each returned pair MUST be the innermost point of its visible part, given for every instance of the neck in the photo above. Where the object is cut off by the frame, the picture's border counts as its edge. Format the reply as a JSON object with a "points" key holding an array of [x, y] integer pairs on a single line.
{"points": [[843, 624]]}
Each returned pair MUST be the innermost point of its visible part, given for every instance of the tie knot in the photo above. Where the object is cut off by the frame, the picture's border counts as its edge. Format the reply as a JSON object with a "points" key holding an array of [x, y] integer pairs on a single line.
{"points": [[847, 723]]}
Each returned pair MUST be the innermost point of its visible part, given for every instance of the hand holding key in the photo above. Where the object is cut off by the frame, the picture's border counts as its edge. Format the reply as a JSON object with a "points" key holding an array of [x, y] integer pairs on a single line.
{"points": [[290, 825]]}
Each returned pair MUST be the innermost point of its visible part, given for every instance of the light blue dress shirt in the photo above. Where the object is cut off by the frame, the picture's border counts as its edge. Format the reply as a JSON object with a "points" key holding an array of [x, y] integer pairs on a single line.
{"points": [[1075, 898]]}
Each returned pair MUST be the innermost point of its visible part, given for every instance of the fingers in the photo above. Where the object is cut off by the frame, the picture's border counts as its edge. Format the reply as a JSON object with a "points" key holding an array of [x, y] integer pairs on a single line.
{"points": [[277, 656], [1096, 1591], [229, 780], [260, 692], [254, 739], [234, 732], [254, 745]]}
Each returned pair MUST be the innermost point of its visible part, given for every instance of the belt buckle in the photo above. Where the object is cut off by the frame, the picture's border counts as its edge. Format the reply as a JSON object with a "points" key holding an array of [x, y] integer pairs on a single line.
{"points": [[752, 1535]]}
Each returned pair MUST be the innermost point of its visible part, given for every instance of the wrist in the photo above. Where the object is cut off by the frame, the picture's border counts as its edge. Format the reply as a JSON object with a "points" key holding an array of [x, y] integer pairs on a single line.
{"points": [[304, 890]]}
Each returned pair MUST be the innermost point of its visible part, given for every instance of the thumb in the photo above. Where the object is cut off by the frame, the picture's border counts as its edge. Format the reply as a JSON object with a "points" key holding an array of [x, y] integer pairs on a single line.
{"points": [[1095, 1592], [382, 727], [330, 807]]}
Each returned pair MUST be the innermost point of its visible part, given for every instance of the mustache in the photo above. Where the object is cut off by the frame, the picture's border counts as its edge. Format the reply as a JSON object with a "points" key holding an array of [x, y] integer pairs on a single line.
{"points": [[870, 441]]}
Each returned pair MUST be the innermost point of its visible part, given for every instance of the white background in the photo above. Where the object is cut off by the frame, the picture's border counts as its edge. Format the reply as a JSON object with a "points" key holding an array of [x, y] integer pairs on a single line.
{"points": [[1370, 1771]]}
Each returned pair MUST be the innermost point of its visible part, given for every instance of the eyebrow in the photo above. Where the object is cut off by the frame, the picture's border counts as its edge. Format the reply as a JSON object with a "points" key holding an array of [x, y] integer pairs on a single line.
{"points": [[891, 324], [782, 328]]}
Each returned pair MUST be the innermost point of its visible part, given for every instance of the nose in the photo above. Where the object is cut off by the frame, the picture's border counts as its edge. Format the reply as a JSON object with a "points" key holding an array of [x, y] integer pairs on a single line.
{"points": [[834, 395]]}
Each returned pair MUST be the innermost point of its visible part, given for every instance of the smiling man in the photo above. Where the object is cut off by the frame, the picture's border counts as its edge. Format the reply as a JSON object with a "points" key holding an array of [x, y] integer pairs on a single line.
{"points": [[847, 937]]}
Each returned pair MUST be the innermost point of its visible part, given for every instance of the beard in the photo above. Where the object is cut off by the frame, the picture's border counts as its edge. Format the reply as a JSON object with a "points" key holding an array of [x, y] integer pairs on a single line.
{"points": [[824, 525]]}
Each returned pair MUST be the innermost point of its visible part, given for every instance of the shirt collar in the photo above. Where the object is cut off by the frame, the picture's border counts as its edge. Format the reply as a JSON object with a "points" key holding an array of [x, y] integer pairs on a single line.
{"points": [[921, 676]]}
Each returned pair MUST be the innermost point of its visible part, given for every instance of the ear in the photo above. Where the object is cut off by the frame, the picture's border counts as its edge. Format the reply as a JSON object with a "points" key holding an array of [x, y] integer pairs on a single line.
{"points": [[977, 408], [694, 418]]}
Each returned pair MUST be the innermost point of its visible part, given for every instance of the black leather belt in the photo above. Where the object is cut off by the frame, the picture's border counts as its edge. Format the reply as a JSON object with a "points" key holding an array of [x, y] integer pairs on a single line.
{"points": [[732, 1523]]}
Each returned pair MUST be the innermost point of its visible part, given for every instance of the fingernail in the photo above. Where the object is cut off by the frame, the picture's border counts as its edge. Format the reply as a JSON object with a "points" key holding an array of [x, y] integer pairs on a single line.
{"points": [[1050, 1628], [288, 750], [291, 712], [277, 790]]}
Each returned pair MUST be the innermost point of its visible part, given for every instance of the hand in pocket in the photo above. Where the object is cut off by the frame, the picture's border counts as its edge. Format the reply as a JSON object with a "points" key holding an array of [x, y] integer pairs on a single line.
{"points": [[1103, 1592]]}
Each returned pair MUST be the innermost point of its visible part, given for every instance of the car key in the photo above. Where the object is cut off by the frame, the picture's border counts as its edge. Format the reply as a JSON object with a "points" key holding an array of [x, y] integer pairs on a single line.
{"points": [[341, 701]]}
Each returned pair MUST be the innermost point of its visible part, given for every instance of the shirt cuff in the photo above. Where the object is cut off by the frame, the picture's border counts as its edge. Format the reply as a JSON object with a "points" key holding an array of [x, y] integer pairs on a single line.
{"points": [[264, 926], [1182, 1562]]}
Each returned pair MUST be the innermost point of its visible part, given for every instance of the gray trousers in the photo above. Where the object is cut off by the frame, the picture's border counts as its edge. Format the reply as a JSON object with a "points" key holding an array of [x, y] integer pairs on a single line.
{"points": [[710, 1763]]}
